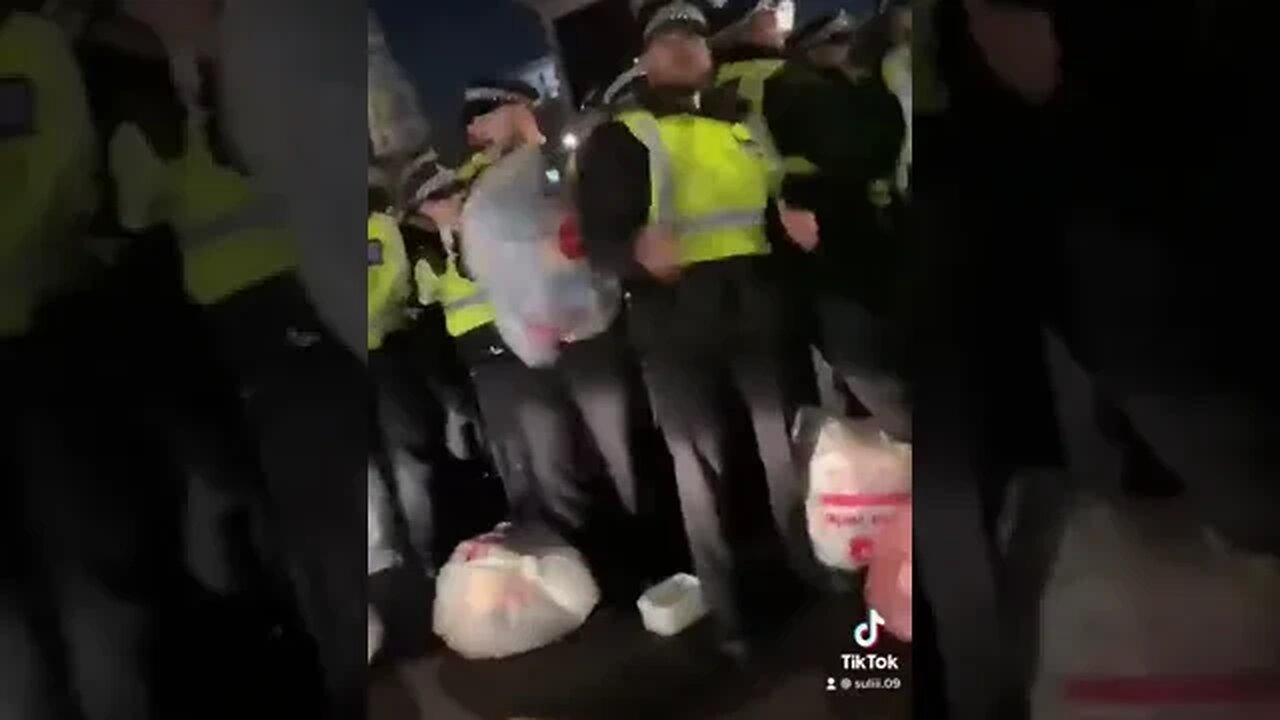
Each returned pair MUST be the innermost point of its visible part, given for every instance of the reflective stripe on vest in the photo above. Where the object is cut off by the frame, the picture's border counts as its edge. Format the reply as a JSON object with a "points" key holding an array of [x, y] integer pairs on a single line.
{"points": [[251, 216], [479, 297], [688, 197], [231, 238], [466, 305]]}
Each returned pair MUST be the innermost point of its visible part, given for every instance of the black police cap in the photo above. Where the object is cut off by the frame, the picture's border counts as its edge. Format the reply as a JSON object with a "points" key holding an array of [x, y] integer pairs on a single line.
{"points": [[830, 28], [426, 179], [484, 96]]}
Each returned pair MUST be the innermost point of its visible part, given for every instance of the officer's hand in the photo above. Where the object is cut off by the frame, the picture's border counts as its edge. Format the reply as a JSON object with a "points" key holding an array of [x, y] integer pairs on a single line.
{"points": [[801, 226], [658, 251], [1019, 45]]}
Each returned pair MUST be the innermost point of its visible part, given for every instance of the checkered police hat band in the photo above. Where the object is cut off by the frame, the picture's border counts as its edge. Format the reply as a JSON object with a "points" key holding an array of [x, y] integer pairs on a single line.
{"points": [[495, 95], [675, 13]]}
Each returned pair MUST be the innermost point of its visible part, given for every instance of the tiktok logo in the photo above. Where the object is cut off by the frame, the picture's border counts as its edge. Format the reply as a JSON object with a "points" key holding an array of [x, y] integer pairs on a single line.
{"points": [[867, 634]]}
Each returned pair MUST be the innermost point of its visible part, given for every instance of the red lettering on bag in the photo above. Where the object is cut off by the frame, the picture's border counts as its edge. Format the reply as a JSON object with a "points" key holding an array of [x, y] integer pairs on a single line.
{"points": [[1174, 690], [855, 500]]}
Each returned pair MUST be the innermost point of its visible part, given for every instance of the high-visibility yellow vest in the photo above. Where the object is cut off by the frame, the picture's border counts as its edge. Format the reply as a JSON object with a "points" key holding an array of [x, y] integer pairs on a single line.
{"points": [[465, 304], [231, 237], [47, 162], [389, 287], [710, 182], [750, 77]]}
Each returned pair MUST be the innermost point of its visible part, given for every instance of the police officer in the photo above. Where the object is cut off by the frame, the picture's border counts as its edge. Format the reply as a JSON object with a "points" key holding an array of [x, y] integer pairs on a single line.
{"points": [[437, 193], [410, 419], [592, 387], [749, 39], [786, 115], [300, 390], [859, 267], [686, 232], [445, 374], [46, 162], [632, 444]]}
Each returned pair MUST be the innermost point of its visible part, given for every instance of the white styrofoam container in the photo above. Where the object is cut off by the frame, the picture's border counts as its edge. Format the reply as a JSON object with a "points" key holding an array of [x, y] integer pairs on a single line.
{"points": [[672, 605]]}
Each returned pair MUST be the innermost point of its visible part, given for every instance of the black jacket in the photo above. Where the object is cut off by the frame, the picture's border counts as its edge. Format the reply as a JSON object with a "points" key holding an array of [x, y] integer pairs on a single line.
{"points": [[613, 186], [854, 133], [861, 129]]}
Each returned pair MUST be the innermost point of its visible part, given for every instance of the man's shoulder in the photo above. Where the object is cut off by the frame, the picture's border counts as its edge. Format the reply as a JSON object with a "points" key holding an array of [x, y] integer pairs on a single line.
{"points": [[610, 135]]}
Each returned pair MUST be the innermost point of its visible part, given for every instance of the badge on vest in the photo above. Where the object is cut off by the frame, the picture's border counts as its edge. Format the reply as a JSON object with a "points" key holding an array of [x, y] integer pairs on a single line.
{"points": [[375, 253], [17, 108]]}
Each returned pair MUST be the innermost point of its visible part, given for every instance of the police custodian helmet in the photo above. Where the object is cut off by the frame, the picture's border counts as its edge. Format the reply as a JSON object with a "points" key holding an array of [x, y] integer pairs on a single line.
{"points": [[661, 15], [484, 96], [830, 29]]}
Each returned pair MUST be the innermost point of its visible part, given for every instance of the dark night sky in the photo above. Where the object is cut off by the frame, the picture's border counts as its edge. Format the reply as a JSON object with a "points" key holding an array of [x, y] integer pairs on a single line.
{"points": [[443, 44]]}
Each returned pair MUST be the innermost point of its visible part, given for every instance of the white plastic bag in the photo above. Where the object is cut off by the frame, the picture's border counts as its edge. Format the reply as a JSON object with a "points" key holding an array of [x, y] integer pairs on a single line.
{"points": [[512, 225], [1145, 617], [859, 479], [511, 591]]}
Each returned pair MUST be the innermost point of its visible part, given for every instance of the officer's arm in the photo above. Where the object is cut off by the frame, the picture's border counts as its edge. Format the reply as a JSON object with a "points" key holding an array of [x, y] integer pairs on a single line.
{"points": [[613, 195]]}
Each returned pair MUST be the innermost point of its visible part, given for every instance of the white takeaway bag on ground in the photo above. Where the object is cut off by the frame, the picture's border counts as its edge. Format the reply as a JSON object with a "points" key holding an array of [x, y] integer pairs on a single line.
{"points": [[1147, 617], [859, 480], [511, 591]]}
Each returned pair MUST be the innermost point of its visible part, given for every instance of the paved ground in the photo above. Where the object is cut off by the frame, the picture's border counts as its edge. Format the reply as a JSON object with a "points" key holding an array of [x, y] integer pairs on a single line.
{"points": [[613, 670]]}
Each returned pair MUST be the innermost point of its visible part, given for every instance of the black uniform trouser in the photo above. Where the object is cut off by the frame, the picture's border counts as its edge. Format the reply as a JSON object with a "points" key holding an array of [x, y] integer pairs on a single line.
{"points": [[713, 343], [411, 424], [540, 414], [305, 397], [603, 380], [29, 685], [863, 349], [1137, 338], [501, 383], [103, 509]]}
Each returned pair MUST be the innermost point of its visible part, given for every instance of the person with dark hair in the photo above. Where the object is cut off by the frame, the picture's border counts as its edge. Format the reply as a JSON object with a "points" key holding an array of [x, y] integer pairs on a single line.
{"points": [[686, 233], [410, 421]]}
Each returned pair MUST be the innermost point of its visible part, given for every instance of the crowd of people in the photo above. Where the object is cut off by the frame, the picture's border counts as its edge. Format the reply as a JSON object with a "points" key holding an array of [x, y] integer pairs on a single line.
{"points": [[745, 184], [179, 416]]}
